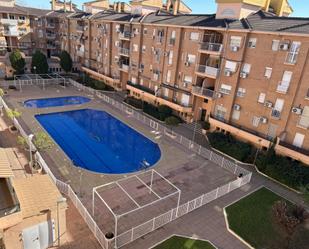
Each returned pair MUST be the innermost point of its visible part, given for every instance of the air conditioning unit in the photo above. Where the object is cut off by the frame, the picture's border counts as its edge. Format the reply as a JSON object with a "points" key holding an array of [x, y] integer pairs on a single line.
{"points": [[263, 120], [284, 46], [219, 95], [234, 48], [227, 72], [187, 63], [297, 110], [243, 75], [268, 104], [236, 107]]}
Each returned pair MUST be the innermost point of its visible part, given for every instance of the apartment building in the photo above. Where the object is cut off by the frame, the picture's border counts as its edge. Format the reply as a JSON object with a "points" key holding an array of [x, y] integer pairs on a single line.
{"points": [[246, 76], [29, 29], [32, 210]]}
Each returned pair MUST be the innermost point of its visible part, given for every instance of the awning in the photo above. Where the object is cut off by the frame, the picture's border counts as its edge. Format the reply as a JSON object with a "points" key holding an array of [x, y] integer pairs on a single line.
{"points": [[5, 167]]}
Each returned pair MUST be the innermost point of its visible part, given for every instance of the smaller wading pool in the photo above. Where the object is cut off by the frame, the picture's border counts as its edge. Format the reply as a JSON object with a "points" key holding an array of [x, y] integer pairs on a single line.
{"points": [[58, 101]]}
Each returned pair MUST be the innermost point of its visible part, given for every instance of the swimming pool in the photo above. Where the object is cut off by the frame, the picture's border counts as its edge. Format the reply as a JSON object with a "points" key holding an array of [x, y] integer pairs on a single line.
{"points": [[98, 142], [58, 101]]}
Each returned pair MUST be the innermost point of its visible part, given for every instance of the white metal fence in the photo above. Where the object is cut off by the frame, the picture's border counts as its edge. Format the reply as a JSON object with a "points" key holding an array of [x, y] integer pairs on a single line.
{"points": [[162, 219]]}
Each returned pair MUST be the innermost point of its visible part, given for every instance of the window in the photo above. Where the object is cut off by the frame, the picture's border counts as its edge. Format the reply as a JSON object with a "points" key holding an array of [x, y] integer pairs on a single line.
{"points": [[268, 72], [241, 92], [135, 47], [255, 121], [185, 99], [235, 41], [304, 118], [275, 45], [220, 112], [225, 89], [168, 76], [276, 111], [261, 98], [144, 49], [170, 58], [165, 92], [298, 140], [283, 86], [173, 35], [187, 79], [141, 81], [190, 58], [293, 53], [252, 43], [246, 68], [133, 80], [194, 36], [145, 31], [230, 66], [236, 115]]}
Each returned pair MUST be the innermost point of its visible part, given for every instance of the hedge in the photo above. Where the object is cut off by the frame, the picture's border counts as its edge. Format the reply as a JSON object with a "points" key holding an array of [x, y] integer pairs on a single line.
{"points": [[287, 171], [292, 173], [229, 145], [95, 84]]}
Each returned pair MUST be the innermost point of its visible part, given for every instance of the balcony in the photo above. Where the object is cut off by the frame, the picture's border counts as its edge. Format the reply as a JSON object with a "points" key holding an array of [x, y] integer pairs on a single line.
{"points": [[11, 33], [50, 25], [283, 87], [124, 51], [291, 58], [8, 22], [79, 28], [211, 48], [203, 92], [207, 71], [125, 35], [50, 36], [124, 67], [9, 203]]}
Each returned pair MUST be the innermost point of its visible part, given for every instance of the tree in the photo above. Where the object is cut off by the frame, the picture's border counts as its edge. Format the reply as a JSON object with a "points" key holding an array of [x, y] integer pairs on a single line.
{"points": [[42, 141], [13, 113], [18, 63], [39, 63], [66, 61], [288, 220], [172, 121]]}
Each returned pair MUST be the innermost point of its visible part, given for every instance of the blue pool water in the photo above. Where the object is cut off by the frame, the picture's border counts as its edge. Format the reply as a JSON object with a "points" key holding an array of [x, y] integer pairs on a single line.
{"points": [[97, 141], [52, 102]]}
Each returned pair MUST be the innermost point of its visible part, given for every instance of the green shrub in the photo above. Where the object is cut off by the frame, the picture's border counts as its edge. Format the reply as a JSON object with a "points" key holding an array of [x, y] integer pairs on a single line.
{"points": [[229, 145], [164, 111], [137, 103], [172, 121], [287, 171]]}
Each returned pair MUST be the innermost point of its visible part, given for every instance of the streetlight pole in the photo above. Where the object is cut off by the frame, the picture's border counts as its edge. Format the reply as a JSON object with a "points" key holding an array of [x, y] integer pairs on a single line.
{"points": [[59, 201]]}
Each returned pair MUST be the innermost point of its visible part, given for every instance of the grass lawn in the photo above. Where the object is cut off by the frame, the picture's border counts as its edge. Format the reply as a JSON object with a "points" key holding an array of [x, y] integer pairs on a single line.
{"points": [[177, 242], [251, 219]]}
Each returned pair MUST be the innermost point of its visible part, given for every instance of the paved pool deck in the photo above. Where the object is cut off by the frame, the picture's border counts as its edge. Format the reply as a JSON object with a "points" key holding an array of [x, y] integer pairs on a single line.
{"points": [[192, 174]]}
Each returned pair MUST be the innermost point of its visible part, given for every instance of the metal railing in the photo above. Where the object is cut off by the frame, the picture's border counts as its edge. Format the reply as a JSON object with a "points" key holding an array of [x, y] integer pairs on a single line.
{"points": [[203, 91], [283, 87], [124, 51], [213, 47], [125, 35], [209, 70]]}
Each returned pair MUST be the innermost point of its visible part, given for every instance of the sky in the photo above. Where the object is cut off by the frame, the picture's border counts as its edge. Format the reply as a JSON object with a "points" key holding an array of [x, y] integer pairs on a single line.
{"points": [[301, 7]]}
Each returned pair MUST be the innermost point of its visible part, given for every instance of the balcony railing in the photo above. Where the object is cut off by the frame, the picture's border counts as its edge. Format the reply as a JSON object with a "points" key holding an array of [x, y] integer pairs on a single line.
{"points": [[50, 36], [79, 28], [203, 91], [208, 70], [9, 22], [50, 25], [282, 87], [212, 47], [124, 67], [11, 33], [124, 51], [175, 101], [291, 58], [125, 35]]}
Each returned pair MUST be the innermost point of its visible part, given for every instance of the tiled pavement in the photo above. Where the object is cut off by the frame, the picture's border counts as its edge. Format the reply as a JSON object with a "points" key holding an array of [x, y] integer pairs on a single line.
{"points": [[208, 222]]}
